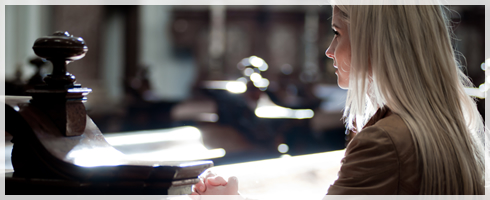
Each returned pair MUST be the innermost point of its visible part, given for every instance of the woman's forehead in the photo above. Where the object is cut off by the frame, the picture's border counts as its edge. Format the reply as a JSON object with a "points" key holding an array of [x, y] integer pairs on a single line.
{"points": [[335, 12], [336, 19]]}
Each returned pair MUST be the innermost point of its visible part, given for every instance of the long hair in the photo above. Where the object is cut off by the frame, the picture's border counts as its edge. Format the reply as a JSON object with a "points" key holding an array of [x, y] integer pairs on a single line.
{"points": [[402, 58]]}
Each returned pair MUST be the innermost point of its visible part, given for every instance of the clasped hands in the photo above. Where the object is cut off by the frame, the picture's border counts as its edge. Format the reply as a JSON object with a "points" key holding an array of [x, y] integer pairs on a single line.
{"points": [[211, 184]]}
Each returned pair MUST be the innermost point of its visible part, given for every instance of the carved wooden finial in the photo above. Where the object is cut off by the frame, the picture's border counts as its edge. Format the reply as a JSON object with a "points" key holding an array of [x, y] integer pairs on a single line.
{"points": [[60, 48], [61, 98]]}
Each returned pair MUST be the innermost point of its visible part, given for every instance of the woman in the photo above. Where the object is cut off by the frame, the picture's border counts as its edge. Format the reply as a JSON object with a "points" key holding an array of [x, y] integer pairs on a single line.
{"points": [[414, 129]]}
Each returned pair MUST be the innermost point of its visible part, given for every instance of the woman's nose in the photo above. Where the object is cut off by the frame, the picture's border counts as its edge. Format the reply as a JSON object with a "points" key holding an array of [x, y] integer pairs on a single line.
{"points": [[329, 52]]}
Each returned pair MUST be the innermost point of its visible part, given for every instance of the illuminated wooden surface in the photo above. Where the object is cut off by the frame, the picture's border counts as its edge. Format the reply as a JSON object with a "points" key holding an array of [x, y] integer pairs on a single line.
{"points": [[304, 177]]}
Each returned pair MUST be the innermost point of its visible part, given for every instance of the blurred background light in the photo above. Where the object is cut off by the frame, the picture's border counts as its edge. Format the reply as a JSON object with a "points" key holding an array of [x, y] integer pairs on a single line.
{"points": [[256, 61], [286, 69], [242, 79], [255, 77], [267, 109], [262, 83], [264, 67], [283, 148], [245, 62], [231, 86], [248, 71], [152, 136], [236, 87]]}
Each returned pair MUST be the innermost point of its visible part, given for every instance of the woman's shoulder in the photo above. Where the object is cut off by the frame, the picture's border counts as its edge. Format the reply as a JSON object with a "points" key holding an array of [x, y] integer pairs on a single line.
{"points": [[381, 156], [393, 135], [394, 128]]}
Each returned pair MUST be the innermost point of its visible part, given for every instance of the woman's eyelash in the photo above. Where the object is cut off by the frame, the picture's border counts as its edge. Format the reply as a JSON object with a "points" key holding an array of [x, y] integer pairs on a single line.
{"points": [[335, 32]]}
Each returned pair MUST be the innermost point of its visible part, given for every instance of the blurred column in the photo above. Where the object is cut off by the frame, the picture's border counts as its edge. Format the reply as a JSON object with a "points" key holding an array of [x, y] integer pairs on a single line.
{"points": [[23, 25], [170, 77], [310, 72], [113, 56], [217, 41]]}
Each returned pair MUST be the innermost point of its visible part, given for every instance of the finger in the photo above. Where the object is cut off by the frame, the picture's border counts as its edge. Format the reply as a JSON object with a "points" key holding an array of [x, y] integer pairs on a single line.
{"points": [[209, 173], [195, 192], [200, 187], [230, 189], [233, 184], [218, 180]]}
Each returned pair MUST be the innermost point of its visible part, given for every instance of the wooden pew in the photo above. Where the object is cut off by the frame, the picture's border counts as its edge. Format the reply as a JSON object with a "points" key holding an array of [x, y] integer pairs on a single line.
{"points": [[59, 150]]}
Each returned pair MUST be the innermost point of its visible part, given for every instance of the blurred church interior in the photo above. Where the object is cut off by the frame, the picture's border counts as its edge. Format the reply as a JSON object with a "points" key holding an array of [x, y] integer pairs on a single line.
{"points": [[231, 84]]}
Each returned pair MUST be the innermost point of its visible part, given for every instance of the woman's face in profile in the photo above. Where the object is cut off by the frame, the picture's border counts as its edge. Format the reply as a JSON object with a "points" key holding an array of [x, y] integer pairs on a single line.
{"points": [[339, 50]]}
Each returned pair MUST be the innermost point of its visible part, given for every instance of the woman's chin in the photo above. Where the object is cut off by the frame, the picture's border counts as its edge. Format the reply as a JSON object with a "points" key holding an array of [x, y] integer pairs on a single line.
{"points": [[343, 86]]}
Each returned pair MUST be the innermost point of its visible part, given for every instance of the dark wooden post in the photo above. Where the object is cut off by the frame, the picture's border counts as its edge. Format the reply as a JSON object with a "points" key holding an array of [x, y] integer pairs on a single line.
{"points": [[62, 98]]}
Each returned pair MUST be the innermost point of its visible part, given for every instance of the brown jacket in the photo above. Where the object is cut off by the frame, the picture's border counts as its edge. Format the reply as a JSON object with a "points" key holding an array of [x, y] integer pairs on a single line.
{"points": [[379, 160]]}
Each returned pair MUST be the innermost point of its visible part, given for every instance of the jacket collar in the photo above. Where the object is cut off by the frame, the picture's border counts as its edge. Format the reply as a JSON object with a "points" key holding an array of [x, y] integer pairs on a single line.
{"points": [[380, 114]]}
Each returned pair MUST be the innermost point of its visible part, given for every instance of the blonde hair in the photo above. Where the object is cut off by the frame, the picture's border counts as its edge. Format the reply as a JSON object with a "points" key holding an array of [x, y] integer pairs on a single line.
{"points": [[402, 58]]}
